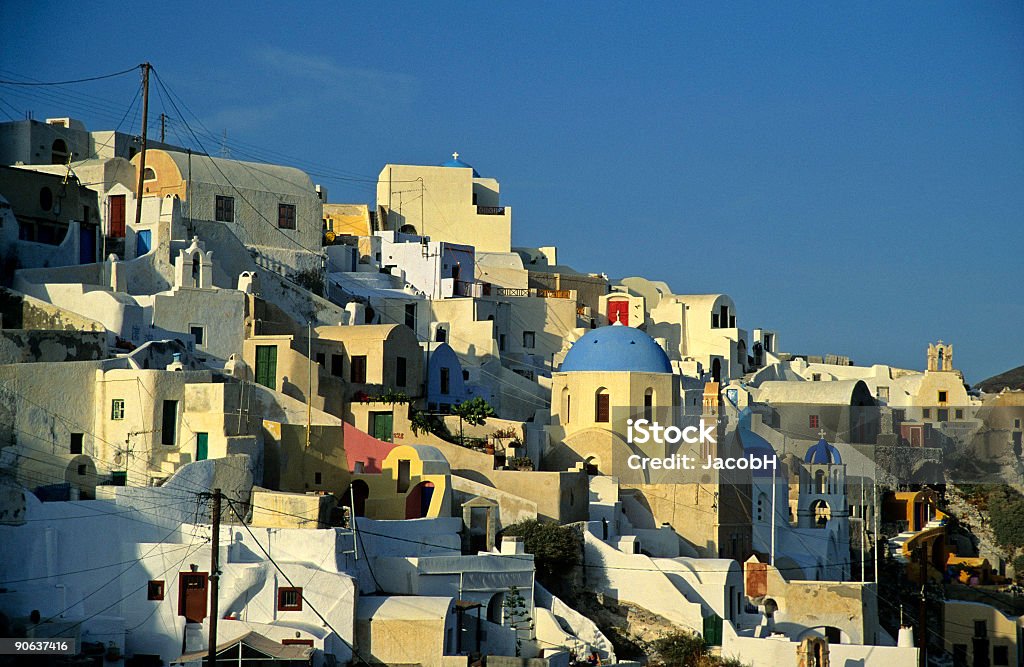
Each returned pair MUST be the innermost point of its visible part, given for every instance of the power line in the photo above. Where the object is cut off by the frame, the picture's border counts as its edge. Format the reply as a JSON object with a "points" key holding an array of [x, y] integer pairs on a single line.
{"points": [[69, 82]]}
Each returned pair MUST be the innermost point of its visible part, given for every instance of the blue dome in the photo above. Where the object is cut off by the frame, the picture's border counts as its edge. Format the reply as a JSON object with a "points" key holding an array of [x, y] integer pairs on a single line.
{"points": [[822, 453], [616, 348], [459, 164]]}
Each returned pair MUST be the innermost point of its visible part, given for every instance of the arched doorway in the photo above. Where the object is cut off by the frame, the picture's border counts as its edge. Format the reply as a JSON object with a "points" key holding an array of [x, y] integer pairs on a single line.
{"points": [[496, 608], [356, 497], [417, 502], [716, 370]]}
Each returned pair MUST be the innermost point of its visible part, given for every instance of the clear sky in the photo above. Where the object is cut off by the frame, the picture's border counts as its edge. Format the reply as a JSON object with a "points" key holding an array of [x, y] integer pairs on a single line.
{"points": [[851, 174]]}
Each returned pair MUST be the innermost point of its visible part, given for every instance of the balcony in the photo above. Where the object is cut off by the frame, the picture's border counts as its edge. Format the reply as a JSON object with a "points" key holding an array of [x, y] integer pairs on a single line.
{"points": [[466, 288], [490, 210]]}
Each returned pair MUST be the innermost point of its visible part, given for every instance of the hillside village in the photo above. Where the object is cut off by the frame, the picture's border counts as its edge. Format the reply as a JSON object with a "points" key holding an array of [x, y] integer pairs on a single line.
{"points": [[237, 413]]}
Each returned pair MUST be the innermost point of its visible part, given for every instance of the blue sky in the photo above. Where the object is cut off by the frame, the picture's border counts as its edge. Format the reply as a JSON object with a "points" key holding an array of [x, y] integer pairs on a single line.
{"points": [[852, 175]]}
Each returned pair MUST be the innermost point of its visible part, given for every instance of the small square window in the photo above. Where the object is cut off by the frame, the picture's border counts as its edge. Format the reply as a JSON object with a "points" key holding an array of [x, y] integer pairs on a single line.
{"points": [[198, 332], [529, 339], [286, 216], [289, 599], [321, 359], [942, 396], [816, 377], [117, 409], [225, 209], [155, 590], [812, 422], [943, 415], [959, 413], [926, 413], [82, 468], [76, 443]]}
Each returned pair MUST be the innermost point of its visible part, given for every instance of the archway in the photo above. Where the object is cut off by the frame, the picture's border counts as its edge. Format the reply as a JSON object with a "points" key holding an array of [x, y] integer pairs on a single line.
{"points": [[716, 370], [821, 513], [407, 229], [417, 502], [592, 464], [356, 495], [496, 608], [59, 152]]}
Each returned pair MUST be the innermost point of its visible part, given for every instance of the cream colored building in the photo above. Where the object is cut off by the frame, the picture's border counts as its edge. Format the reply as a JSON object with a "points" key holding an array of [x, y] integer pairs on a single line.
{"points": [[970, 628], [264, 205], [610, 375], [451, 202]]}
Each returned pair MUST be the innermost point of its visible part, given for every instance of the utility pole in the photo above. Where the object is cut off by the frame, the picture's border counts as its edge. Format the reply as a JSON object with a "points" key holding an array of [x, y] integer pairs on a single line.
{"points": [[214, 580], [142, 158], [163, 124], [309, 377], [922, 609]]}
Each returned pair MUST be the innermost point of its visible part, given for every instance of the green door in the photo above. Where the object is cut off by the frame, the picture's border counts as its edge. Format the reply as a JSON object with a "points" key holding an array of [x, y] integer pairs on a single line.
{"points": [[713, 630], [202, 446], [382, 425], [266, 366]]}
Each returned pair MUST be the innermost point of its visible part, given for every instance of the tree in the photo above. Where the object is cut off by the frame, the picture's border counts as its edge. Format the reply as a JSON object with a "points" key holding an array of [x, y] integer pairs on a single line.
{"points": [[517, 615], [555, 548], [474, 412]]}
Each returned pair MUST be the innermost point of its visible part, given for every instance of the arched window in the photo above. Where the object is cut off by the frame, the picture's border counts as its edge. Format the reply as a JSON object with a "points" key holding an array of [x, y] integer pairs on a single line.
{"points": [[820, 484], [602, 407], [566, 405], [649, 405], [59, 152], [149, 174], [46, 199]]}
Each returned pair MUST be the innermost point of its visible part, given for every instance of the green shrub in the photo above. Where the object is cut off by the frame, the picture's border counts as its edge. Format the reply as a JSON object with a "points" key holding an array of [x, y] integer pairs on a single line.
{"points": [[555, 548], [1006, 511]]}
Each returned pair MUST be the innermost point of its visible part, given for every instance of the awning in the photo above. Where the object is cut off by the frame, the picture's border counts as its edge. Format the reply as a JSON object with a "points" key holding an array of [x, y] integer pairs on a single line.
{"points": [[262, 646]]}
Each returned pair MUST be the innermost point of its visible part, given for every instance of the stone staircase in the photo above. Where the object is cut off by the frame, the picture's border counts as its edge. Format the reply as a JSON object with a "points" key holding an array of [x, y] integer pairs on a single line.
{"points": [[169, 462], [896, 543]]}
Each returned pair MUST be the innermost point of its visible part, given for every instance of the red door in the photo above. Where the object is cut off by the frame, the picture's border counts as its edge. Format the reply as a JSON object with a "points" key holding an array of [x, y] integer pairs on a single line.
{"points": [[117, 216], [618, 311], [192, 596]]}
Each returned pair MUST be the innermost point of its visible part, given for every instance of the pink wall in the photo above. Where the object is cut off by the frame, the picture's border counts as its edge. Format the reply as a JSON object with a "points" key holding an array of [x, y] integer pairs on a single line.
{"points": [[360, 446]]}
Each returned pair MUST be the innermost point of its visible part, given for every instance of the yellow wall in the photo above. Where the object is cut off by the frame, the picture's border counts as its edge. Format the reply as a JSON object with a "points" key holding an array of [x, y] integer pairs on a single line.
{"points": [[387, 500]]}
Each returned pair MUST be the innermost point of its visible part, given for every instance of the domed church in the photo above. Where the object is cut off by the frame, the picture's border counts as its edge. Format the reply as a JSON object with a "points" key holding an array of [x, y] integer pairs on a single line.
{"points": [[609, 376]]}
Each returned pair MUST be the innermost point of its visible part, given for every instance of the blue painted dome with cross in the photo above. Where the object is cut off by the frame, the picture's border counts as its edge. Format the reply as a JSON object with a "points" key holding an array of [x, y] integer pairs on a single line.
{"points": [[459, 164], [822, 453], [616, 348]]}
